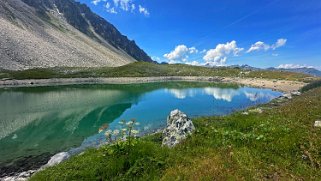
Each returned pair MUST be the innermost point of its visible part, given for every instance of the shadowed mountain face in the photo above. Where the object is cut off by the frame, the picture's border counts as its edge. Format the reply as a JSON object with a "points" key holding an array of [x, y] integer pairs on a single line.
{"points": [[50, 33]]}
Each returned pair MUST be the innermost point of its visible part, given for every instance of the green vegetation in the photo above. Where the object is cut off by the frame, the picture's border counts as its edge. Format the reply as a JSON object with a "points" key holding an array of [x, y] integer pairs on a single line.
{"points": [[312, 85], [280, 144], [143, 69]]}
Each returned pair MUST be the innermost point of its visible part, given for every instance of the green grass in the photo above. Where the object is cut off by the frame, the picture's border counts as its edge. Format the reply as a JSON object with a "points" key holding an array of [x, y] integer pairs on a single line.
{"points": [[312, 85], [143, 69], [280, 143]]}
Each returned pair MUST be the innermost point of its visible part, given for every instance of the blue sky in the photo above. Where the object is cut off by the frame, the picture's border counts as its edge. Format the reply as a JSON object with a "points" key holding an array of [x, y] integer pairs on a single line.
{"points": [[261, 33]]}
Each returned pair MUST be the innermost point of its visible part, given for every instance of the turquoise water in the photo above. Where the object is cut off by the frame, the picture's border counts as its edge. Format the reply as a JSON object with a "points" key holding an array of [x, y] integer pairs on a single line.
{"points": [[47, 120]]}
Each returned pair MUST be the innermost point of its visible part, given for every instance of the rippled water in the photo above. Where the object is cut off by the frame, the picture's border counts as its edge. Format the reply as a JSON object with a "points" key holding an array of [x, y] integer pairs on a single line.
{"points": [[47, 120]]}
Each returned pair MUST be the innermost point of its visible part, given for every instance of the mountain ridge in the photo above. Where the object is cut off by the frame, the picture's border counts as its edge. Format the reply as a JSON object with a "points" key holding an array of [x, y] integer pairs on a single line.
{"points": [[65, 33], [305, 70], [82, 18]]}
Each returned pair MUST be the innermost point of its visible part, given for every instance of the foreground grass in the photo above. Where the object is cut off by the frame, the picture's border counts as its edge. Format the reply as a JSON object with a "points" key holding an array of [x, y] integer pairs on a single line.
{"points": [[143, 69], [280, 143]]}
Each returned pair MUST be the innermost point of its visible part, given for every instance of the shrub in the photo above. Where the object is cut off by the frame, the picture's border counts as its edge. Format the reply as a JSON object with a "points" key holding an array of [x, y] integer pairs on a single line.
{"points": [[312, 85]]}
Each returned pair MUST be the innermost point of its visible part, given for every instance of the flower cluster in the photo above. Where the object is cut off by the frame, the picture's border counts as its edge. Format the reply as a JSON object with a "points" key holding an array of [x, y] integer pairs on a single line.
{"points": [[127, 131]]}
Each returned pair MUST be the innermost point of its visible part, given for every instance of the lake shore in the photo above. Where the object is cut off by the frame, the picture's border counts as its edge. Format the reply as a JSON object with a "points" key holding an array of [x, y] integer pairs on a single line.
{"points": [[280, 85]]}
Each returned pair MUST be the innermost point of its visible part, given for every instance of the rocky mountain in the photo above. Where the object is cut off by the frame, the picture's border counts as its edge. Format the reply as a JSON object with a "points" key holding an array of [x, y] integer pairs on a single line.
{"points": [[60, 33], [244, 67], [309, 71]]}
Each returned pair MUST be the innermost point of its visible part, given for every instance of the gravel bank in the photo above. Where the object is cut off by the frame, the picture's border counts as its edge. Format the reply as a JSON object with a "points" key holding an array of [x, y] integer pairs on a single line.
{"points": [[280, 85]]}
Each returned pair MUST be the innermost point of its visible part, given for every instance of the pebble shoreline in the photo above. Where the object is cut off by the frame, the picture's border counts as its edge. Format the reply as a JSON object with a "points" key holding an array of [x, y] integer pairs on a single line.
{"points": [[280, 85]]}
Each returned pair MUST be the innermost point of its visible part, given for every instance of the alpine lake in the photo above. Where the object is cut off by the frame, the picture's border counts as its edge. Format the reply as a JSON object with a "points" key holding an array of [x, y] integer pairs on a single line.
{"points": [[38, 122]]}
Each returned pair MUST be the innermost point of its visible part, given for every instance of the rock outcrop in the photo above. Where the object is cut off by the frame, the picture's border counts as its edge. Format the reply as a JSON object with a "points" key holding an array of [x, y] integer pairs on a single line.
{"points": [[56, 159], [24, 176], [179, 126], [317, 124]]}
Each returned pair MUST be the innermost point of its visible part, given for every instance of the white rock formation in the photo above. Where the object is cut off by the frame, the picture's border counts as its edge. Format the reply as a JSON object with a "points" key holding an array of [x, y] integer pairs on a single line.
{"points": [[56, 159], [179, 126]]}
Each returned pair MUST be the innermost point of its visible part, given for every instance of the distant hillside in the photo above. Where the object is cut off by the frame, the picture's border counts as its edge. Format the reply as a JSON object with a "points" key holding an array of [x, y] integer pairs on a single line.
{"points": [[64, 33], [309, 71]]}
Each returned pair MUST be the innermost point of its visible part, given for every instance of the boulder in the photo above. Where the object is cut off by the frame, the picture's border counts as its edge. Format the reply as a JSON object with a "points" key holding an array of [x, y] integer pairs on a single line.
{"points": [[179, 126], [56, 159], [317, 124], [295, 93], [23, 176], [287, 96]]}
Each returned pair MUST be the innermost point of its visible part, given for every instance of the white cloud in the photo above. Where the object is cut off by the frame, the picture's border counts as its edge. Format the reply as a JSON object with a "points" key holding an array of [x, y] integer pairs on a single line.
{"points": [[255, 96], [222, 94], [110, 9], [204, 51], [263, 46], [143, 10], [107, 5], [293, 66], [194, 63], [180, 54], [279, 43], [96, 2], [133, 7], [116, 3], [182, 93], [259, 46], [125, 4], [218, 56], [155, 58], [193, 50], [115, 6]]}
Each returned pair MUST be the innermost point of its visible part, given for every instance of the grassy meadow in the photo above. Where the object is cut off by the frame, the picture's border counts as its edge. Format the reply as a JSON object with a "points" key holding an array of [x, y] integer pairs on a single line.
{"points": [[143, 69]]}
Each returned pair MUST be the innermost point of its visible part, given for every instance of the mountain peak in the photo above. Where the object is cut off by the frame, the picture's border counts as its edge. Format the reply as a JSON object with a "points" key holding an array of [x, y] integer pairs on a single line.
{"points": [[53, 33]]}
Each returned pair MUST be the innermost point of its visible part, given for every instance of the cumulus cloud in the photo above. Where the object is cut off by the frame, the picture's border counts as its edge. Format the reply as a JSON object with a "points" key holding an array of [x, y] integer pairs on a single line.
{"points": [[180, 54], [222, 94], [194, 63], [218, 56], [263, 46], [259, 46], [182, 93], [292, 66]]}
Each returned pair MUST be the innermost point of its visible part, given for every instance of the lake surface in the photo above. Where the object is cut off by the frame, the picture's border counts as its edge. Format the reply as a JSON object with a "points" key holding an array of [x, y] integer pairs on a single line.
{"points": [[36, 123]]}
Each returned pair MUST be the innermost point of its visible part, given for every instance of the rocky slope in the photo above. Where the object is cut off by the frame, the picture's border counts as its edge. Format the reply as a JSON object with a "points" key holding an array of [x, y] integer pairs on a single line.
{"points": [[60, 33]]}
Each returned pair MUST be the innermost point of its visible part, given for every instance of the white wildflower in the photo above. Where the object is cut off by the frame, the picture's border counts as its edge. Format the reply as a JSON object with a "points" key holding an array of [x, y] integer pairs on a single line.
{"points": [[116, 132], [108, 133], [130, 123], [135, 132]]}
